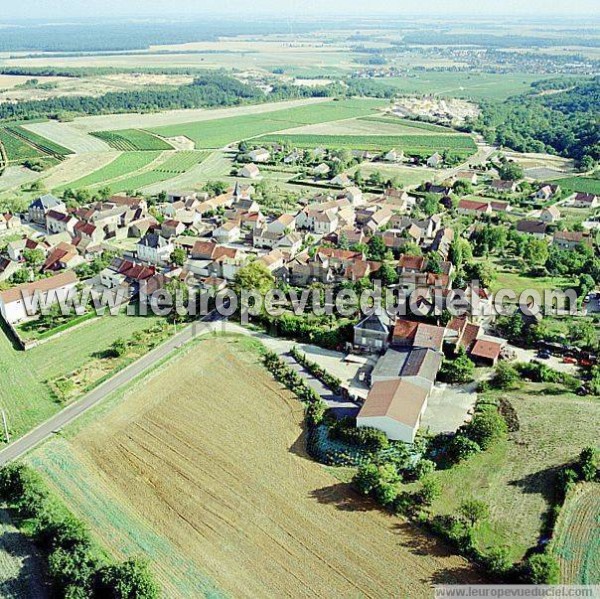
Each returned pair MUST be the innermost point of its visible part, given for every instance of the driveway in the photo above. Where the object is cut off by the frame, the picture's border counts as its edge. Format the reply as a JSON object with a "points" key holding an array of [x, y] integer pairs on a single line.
{"points": [[527, 355], [449, 407]]}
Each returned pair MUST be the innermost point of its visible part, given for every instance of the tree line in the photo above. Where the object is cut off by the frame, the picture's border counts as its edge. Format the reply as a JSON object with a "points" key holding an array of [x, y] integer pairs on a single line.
{"points": [[566, 123]]}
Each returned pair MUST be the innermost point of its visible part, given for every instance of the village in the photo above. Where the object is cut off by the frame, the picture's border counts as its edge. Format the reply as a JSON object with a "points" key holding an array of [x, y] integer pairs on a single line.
{"points": [[340, 237]]}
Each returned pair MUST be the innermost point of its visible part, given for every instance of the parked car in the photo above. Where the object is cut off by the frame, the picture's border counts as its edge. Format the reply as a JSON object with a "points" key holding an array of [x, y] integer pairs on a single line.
{"points": [[544, 354], [570, 360]]}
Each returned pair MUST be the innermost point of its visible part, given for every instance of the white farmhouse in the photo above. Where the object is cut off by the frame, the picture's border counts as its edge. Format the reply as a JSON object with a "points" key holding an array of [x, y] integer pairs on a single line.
{"points": [[15, 302], [435, 160], [259, 155]]}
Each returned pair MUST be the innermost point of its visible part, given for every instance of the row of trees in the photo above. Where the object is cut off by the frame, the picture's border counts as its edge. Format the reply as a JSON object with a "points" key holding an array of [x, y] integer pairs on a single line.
{"points": [[75, 564], [210, 89]]}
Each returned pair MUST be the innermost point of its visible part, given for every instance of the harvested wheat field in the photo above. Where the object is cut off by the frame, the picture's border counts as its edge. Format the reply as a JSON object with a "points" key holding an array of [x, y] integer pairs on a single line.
{"points": [[202, 468]]}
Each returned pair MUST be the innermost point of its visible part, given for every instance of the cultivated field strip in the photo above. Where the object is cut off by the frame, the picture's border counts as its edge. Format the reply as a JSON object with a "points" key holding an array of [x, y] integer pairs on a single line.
{"points": [[409, 143], [175, 164], [147, 121], [131, 140], [209, 454], [582, 184], [16, 149], [46, 146], [122, 165], [577, 538]]}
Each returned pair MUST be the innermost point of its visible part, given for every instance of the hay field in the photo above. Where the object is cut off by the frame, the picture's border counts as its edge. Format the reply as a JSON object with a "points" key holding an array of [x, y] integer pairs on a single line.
{"points": [[516, 477], [221, 132], [202, 469]]}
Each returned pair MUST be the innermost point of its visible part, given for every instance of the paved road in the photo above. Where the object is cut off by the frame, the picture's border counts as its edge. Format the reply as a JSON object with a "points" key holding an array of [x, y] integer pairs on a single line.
{"points": [[22, 445]]}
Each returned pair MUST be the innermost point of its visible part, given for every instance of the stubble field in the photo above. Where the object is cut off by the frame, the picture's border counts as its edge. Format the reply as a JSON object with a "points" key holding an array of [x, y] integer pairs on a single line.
{"points": [[202, 469]]}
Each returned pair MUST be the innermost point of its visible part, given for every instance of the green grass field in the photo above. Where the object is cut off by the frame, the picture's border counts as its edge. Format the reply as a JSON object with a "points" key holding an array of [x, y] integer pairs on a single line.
{"points": [[221, 132], [131, 140], [175, 165], [582, 184], [45, 145], [124, 164], [411, 144], [478, 86], [25, 393], [516, 476], [406, 175]]}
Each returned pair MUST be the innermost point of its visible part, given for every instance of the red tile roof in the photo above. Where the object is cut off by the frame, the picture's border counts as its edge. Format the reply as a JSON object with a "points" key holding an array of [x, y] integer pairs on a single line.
{"points": [[486, 349]]}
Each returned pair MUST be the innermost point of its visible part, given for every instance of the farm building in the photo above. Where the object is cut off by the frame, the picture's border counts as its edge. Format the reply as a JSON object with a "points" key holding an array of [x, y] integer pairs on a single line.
{"points": [[394, 407], [584, 200], [259, 155], [568, 240], [250, 171], [550, 214], [14, 302], [473, 207], [342, 180], [154, 249], [536, 228], [486, 352], [435, 160], [418, 366]]}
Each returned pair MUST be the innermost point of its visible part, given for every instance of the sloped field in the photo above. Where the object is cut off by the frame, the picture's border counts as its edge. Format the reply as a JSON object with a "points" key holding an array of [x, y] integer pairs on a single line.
{"points": [[202, 469]]}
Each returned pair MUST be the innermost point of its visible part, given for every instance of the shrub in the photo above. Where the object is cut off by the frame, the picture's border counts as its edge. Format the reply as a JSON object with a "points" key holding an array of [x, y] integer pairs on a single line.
{"points": [[424, 468], [541, 568], [368, 438], [380, 482], [506, 377], [486, 428], [128, 579], [366, 478], [474, 511], [315, 412], [460, 370], [75, 567], [497, 560], [587, 465], [430, 491], [460, 448]]}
